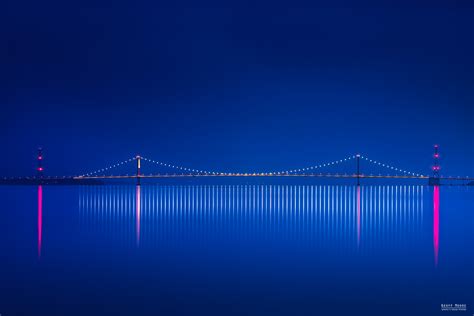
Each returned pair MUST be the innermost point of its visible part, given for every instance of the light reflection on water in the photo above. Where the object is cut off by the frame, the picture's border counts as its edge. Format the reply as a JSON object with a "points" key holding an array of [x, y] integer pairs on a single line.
{"points": [[138, 211], [436, 223], [346, 215], [40, 219]]}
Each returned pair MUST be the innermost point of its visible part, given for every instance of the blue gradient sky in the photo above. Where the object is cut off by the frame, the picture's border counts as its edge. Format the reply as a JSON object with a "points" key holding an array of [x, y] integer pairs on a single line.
{"points": [[235, 85]]}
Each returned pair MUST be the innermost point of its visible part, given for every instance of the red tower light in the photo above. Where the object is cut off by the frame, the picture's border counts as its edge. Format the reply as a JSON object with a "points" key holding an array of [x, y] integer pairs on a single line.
{"points": [[39, 168], [436, 168]]}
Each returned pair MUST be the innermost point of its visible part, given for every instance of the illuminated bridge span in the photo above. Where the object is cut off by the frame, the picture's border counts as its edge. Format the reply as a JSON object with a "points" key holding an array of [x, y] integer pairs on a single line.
{"points": [[315, 171]]}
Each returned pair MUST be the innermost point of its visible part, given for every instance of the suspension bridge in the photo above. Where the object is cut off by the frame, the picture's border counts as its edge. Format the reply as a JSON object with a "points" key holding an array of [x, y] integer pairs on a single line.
{"points": [[104, 175]]}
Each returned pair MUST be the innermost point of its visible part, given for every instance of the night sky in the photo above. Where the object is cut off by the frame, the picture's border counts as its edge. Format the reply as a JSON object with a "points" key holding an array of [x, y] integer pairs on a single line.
{"points": [[235, 86]]}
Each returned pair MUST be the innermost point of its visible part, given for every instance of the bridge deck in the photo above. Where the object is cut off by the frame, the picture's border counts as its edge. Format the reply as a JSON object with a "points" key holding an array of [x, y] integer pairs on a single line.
{"points": [[253, 175], [264, 175], [97, 180]]}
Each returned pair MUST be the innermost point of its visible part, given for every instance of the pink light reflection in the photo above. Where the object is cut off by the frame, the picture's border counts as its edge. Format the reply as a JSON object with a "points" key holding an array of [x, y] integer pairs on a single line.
{"points": [[40, 219], [436, 223]]}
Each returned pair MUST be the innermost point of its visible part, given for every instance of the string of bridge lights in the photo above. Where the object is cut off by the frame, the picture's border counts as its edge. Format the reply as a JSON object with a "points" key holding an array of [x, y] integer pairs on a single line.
{"points": [[118, 164], [248, 173], [375, 162], [335, 162], [163, 164], [281, 172]]}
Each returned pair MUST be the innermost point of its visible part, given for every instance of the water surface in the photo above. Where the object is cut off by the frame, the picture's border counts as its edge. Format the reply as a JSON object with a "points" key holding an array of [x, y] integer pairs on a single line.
{"points": [[236, 249]]}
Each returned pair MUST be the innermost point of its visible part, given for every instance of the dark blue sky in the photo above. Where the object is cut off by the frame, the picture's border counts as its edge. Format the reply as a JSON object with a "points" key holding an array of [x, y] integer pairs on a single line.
{"points": [[236, 85]]}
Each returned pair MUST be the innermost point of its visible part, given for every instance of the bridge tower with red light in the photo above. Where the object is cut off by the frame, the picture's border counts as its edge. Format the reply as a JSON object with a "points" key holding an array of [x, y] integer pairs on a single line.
{"points": [[434, 179], [436, 166], [39, 163]]}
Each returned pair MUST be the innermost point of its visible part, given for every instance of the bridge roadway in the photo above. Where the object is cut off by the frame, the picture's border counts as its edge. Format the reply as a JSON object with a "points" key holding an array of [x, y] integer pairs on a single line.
{"points": [[314, 175], [98, 180], [267, 175]]}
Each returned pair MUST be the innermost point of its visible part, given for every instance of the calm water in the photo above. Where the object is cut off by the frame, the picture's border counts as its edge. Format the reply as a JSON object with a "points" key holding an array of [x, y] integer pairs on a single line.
{"points": [[243, 250]]}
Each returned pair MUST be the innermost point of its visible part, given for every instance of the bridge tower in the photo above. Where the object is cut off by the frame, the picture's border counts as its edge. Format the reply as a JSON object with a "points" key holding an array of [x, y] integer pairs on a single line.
{"points": [[138, 159], [39, 163], [434, 179], [358, 169]]}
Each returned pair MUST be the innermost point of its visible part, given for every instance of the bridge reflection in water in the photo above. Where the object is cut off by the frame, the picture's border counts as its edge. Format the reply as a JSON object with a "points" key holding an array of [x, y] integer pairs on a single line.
{"points": [[346, 216]]}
